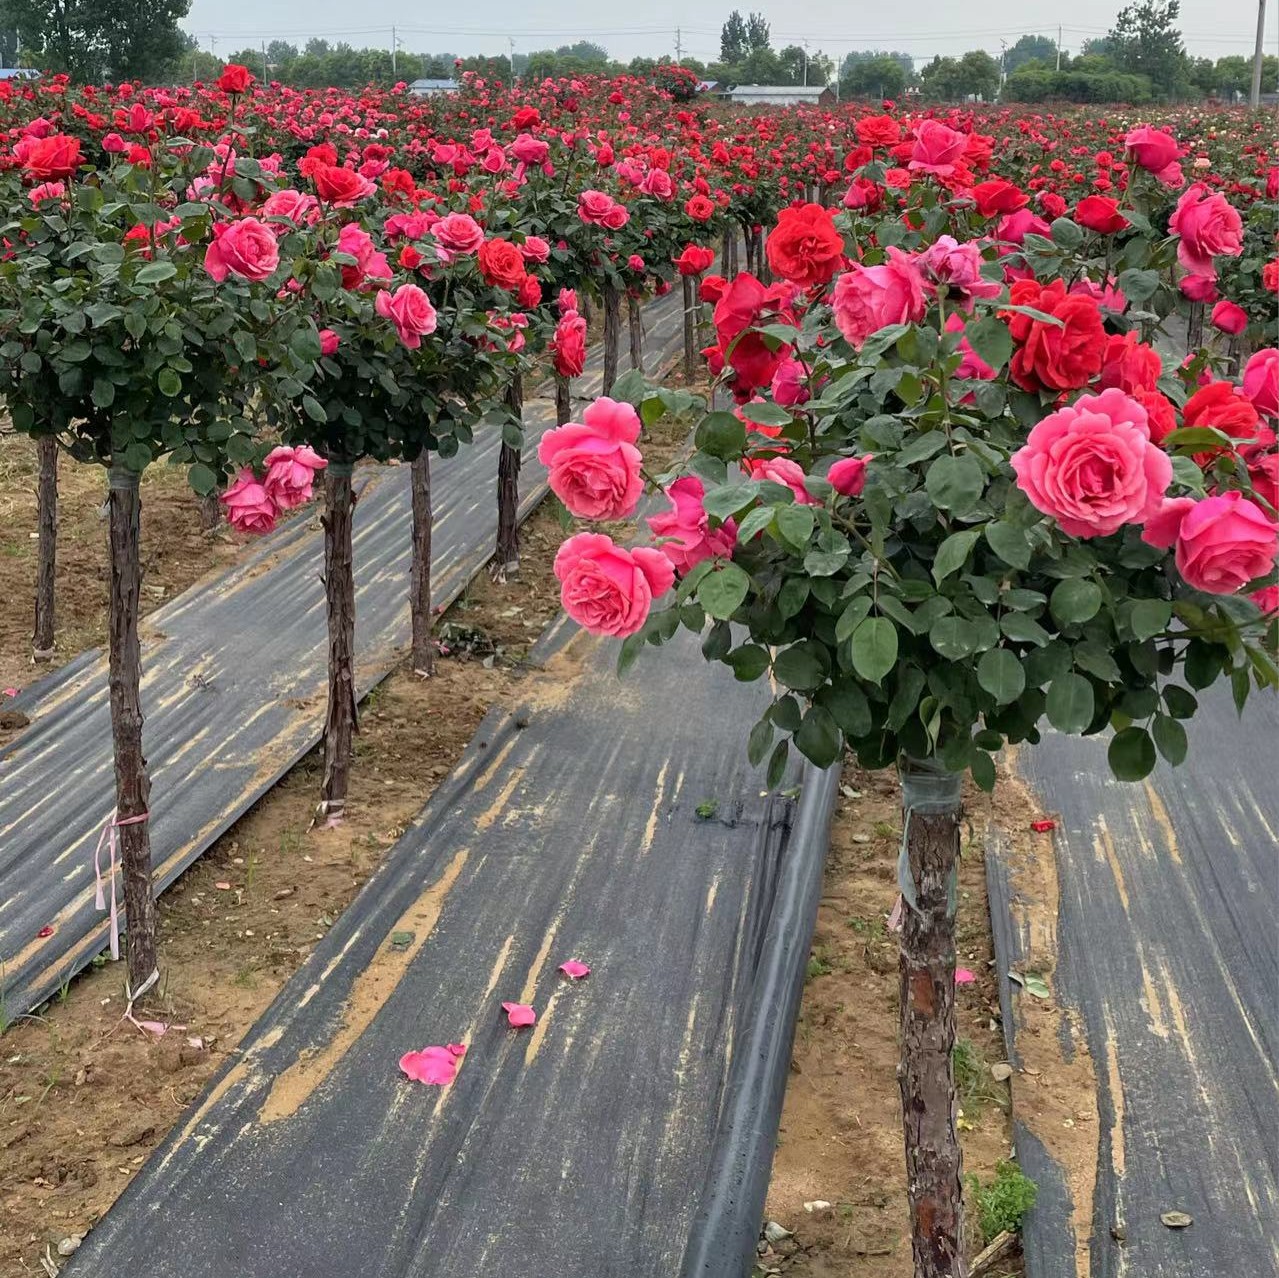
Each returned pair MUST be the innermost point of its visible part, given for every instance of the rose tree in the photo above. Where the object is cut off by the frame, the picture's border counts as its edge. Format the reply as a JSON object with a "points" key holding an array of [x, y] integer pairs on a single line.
{"points": [[940, 517]]}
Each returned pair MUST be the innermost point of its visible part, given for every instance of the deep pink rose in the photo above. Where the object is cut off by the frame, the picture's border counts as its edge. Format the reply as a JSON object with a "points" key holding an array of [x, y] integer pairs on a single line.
{"points": [[1209, 227], [781, 471], [1163, 526], [868, 298], [790, 384], [1261, 381], [410, 310], [246, 248], [594, 206], [1229, 318], [594, 465], [535, 248], [456, 235], [300, 209], [607, 589], [971, 365], [1092, 467], [1199, 288], [954, 270], [690, 538], [290, 474], [848, 475], [1267, 598], [370, 264], [937, 148], [249, 507], [328, 342], [1153, 149], [1224, 543]]}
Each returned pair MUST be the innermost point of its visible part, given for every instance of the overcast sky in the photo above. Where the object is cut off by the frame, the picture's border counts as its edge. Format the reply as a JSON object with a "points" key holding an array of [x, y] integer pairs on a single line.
{"points": [[1213, 28]]}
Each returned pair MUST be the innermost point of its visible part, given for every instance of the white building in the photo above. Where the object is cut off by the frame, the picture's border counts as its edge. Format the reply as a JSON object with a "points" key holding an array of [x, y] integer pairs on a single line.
{"points": [[432, 88], [781, 95]]}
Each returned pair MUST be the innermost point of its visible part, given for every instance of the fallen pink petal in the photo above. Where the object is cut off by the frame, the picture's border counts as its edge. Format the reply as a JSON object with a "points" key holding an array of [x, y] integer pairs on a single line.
{"points": [[519, 1014], [575, 969], [158, 1028], [10, 692], [222, 887], [963, 976], [436, 1066], [1042, 827], [45, 931]]}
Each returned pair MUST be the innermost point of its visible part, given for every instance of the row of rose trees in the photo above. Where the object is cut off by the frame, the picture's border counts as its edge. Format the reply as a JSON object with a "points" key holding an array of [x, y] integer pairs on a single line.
{"points": [[957, 499], [197, 304]]}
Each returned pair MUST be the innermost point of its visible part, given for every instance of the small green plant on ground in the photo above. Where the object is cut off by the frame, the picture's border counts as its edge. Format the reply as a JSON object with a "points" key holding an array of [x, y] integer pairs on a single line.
{"points": [[818, 965], [1002, 1204], [707, 808]]}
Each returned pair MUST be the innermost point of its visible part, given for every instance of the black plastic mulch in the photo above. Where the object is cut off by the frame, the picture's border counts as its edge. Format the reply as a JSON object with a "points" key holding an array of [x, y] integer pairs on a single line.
{"points": [[234, 692], [630, 1133], [1169, 951]]}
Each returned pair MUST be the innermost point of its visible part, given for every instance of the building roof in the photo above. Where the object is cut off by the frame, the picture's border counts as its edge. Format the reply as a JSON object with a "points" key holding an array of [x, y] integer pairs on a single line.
{"points": [[781, 90], [433, 84]]}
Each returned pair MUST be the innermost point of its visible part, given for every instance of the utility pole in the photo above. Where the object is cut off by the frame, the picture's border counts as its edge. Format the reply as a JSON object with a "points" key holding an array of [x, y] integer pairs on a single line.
{"points": [[679, 45], [805, 63], [266, 71], [510, 40], [1003, 62], [1059, 39], [395, 63], [1254, 97]]}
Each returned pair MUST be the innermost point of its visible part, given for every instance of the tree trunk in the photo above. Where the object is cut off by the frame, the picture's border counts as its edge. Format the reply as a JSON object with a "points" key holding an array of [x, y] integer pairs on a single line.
{"points": [[1195, 326], [934, 1165], [726, 253], [690, 326], [612, 337], [506, 558], [750, 251], [46, 547], [132, 784], [732, 253], [635, 325], [210, 512], [563, 400], [761, 259], [584, 305], [420, 573], [340, 722]]}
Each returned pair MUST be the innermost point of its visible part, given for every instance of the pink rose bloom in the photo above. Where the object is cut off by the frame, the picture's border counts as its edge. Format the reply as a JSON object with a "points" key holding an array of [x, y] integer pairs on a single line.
{"points": [[971, 365], [1229, 318], [410, 310], [616, 217], [246, 248], [1163, 526], [566, 300], [782, 471], [328, 342], [690, 538], [1199, 288], [1107, 295], [1014, 227], [114, 143], [535, 249], [457, 235], [1092, 467], [354, 241], [607, 589], [868, 298], [937, 148], [290, 474], [594, 465], [593, 206], [530, 150], [1224, 543], [1261, 381], [249, 507], [47, 191], [636, 263], [1267, 599], [300, 209], [848, 475], [956, 268], [1153, 149], [1209, 227], [657, 183], [1172, 177], [790, 384]]}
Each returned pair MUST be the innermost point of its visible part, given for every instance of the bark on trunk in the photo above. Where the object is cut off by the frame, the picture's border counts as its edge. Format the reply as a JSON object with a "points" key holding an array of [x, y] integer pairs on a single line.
{"points": [[761, 259], [340, 723], [132, 784], [506, 559], [934, 1165], [420, 572], [726, 253], [1195, 326], [46, 547], [210, 512], [612, 337], [584, 306], [750, 251], [635, 327], [690, 326], [732, 254], [563, 400]]}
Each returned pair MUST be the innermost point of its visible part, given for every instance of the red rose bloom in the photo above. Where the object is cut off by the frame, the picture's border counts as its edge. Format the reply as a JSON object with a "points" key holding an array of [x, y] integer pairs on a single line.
{"points": [[1101, 214], [502, 264], [739, 309], [879, 130], [700, 208], [694, 260], [234, 79], [1130, 364], [568, 346], [805, 247], [1222, 406], [51, 158], [711, 289], [998, 197], [1161, 415], [340, 186], [1049, 357]]}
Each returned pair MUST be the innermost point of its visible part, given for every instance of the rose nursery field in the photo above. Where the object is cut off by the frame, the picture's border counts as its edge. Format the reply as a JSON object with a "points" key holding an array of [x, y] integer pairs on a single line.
{"points": [[440, 885]]}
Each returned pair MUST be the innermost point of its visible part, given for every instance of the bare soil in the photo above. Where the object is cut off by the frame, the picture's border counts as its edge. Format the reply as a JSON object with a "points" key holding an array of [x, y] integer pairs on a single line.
{"points": [[841, 1132]]}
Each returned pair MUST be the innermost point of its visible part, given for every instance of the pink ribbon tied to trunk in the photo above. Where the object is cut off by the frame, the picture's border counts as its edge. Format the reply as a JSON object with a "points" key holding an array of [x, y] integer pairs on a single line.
{"points": [[108, 839]]}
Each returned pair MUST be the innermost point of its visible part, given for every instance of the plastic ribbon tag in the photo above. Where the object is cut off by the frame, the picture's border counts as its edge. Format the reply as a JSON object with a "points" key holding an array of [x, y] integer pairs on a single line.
{"points": [[929, 789], [108, 840]]}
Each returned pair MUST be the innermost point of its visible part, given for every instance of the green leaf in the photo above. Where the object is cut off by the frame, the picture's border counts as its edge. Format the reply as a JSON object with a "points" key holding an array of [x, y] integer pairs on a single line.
{"points": [[726, 500], [1204, 662], [1170, 739], [1075, 600], [1009, 543], [169, 382], [955, 483], [851, 618], [748, 662], [155, 272], [983, 769], [202, 479], [795, 524], [818, 738], [953, 552], [990, 338], [954, 637], [314, 409], [848, 705], [1149, 617], [1071, 703], [1094, 658], [1001, 674], [137, 457], [722, 435], [630, 388], [757, 745], [1181, 703], [1022, 629], [1066, 234], [874, 648], [1131, 754], [765, 414], [824, 563], [800, 666], [777, 764], [721, 592]]}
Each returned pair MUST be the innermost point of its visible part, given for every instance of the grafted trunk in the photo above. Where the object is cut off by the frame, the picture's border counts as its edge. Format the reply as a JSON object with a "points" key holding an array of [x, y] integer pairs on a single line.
{"points": [[132, 784], [506, 558], [726, 252], [420, 572], [934, 1163], [690, 325], [612, 336], [340, 722], [1195, 326], [761, 259], [210, 512], [563, 400], [732, 254], [635, 327], [46, 547]]}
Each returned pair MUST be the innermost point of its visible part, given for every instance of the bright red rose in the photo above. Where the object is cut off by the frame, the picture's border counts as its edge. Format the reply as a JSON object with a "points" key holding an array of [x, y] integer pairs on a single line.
{"points": [[700, 208], [694, 260], [340, 187], [711, 289], [502, 264], [1229, 318], [48, 159], [568, 346], [805, 247], [739, 309], [1049, 357], [1130, 364], [879, 130], [1101, 214], [997, 197], [234, 79], [1222, 406], [1162, 416]]}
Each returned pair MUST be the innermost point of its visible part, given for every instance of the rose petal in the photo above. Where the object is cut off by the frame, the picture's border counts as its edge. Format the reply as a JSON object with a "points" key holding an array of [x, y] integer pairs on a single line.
{"points": [[222, 887], [47, 930], [575, 969], [519, 1014], [963, 976], [1042, 827], [895, 918], [10, 692], [158, 1028], [436, 1066]]}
